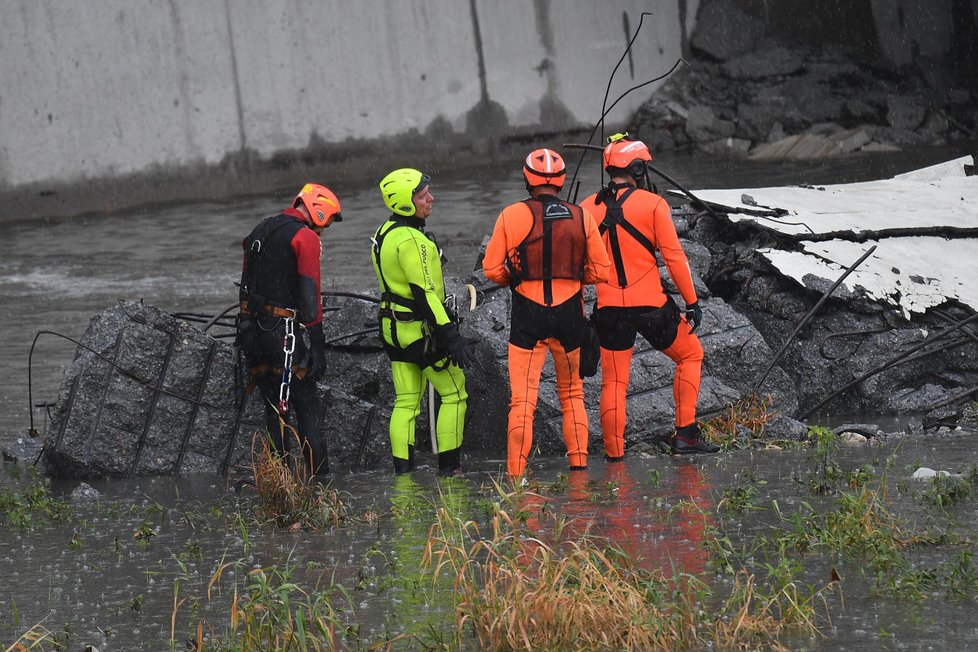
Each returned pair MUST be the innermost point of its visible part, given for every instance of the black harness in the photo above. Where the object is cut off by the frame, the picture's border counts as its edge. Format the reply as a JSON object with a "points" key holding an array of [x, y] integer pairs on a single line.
{"points": [[424, 351], [614, 217], [255, 246]]}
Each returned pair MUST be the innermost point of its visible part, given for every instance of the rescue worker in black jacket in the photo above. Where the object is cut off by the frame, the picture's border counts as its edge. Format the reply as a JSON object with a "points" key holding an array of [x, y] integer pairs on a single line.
{"points": [[280, 326]]}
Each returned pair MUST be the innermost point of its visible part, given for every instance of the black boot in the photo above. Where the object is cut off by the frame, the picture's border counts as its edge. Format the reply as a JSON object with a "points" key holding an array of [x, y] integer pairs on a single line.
{"points": [[688, 440], [450, 463], [402, 465]]}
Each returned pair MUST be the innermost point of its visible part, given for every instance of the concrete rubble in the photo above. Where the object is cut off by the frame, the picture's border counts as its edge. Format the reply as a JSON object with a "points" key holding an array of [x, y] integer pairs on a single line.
{"points": [[149, 393], [899, 334], [752, 91]]}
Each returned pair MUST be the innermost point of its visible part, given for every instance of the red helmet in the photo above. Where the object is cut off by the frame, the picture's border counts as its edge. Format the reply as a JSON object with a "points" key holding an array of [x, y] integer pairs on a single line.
{"points": [[544, 167], [621, 153], [320, 202]]}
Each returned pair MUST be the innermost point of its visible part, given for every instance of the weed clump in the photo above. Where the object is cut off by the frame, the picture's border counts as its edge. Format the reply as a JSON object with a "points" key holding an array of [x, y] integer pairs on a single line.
{"points": [[271, 612], [516, 591], [34, 503], [752, 412], [289, 495]]}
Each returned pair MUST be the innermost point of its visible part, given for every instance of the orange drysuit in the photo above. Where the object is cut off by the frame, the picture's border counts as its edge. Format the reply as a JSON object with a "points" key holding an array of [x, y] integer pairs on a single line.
{"points": [[636, 223], [546, 250]]}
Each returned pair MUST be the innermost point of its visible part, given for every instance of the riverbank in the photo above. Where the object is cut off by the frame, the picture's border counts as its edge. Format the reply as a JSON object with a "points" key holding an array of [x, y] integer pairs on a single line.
{"points": [[344, 168], [845, 545]]}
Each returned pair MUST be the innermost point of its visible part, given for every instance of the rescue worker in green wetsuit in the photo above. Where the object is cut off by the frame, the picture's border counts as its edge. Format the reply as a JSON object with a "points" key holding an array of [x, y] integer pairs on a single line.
{"points": [[419, 335]]}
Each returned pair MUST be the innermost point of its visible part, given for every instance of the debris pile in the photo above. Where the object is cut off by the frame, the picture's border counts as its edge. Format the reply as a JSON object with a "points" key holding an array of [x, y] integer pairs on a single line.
{"points": [[747, 93]]}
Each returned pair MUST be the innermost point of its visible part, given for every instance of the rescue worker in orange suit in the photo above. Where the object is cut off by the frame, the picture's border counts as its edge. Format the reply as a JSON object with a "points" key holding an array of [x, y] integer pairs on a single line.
{"points": [[280, 298], [545, 249], [636, 223]]}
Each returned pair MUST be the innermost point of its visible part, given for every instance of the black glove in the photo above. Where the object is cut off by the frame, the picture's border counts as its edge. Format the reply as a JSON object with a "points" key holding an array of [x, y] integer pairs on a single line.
{"points": [[460, 349], [315, 360], [694, 315]]}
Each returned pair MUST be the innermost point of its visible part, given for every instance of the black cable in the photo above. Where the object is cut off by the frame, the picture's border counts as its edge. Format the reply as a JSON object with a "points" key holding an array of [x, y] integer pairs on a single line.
{"points": [[871, 331], [808, 316], [222, 313], [352, 295], [601, 120], [903, 357], [607, 92]]}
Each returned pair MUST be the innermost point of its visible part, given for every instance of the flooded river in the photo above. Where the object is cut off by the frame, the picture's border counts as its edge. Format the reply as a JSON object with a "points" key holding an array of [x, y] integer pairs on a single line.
{"points": [[110, 588]]}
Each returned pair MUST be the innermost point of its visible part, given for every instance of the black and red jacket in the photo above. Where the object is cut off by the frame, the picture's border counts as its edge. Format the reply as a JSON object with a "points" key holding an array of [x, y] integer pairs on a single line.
{"points": [[281, 267]]}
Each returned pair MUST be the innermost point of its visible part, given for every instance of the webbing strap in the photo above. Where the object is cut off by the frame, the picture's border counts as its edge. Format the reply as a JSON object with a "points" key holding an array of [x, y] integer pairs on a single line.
{"points": [[615, 217], [268, 309]]}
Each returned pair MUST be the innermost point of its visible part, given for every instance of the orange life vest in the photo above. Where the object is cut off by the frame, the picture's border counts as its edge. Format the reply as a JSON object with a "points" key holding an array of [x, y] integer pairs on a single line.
{"points": [[558, 228]]}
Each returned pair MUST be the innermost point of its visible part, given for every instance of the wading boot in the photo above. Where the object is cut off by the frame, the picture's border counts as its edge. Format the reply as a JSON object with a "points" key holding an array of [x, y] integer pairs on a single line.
{"points": [[449, 463], [608, 458], [401, 465], [688, 440]]}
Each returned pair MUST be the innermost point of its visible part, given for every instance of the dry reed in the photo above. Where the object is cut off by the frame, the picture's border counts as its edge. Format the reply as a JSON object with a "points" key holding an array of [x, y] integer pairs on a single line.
{"points": [[288, 494], [515, 591]]}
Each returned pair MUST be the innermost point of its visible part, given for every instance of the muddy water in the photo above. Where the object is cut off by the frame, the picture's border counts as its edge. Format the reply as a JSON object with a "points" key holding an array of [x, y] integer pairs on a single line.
{"points": [[117, 591], [55, 275]]}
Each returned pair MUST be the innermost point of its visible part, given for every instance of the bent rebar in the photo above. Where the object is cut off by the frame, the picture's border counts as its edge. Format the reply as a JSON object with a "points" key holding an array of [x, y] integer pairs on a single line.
{"points": [[903, 357], [808, 315]]}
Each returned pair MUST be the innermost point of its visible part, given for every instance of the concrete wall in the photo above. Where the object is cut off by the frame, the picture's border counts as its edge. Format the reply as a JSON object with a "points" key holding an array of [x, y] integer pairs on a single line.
{"points": [[96, 89]]}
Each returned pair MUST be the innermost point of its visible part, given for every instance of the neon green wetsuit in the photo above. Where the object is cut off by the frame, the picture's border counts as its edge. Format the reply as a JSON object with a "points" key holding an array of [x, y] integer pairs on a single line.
{"points": [[412, 316]]}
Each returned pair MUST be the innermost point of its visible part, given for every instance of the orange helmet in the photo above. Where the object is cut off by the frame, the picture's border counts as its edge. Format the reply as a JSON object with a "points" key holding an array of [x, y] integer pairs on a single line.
{"points": [[320, 202], [622, 153], [544, 167]]}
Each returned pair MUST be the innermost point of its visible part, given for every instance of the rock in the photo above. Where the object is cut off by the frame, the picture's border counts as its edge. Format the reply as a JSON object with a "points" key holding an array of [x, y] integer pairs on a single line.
{"points": [[905, 113], [703, 125], [946, 415], [763, 64], [784, 427], [924, 473], [85, 492], [916, 399], [862, 429], [723, 30], [728, 147], [24, 448], [852, 437]]}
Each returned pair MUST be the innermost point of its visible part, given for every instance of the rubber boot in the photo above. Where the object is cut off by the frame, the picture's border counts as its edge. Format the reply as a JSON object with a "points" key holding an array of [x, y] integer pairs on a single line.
{"points": [[401, 465], [614, 459], [689, 440], [449, 462]]}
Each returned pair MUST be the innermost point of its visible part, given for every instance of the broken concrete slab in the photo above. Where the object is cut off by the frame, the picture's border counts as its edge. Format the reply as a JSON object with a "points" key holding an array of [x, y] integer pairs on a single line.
{"points": [[893, 336], [150, 394], [912, 272]]}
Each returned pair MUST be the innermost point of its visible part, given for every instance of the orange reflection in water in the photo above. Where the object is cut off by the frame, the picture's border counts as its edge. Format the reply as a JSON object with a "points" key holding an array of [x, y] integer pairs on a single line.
{"points": [[661, 527]]}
